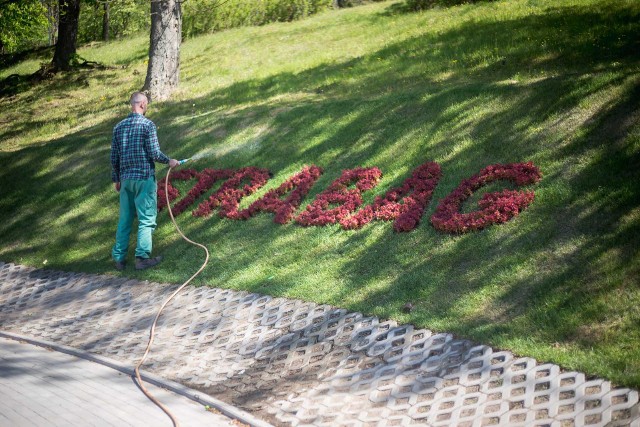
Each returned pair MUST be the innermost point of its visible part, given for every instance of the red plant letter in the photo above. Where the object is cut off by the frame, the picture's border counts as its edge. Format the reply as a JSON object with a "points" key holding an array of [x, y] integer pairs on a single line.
{"points": [[415, 194], [343, 199], [181, 175], [232, 191], [495, 208], [297, 187]]}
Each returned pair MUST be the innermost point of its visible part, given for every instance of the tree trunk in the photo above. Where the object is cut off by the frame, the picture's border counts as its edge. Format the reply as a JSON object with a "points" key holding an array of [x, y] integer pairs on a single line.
{"points": [[105, 22], [163, 72], [68, 12], [52, 17]]}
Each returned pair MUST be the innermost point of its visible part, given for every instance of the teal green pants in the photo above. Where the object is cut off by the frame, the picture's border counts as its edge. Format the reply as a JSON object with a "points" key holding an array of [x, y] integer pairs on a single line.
{"points": [[137, 197]]}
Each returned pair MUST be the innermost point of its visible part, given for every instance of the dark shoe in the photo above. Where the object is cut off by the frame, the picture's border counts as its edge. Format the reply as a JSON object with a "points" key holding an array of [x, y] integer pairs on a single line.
{"points": [[120, 265], [142, 263]]}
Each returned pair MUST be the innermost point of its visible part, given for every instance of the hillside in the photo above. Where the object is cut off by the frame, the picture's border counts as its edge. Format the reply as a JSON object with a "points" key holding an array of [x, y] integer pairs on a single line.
{"points": [[555, 83]]}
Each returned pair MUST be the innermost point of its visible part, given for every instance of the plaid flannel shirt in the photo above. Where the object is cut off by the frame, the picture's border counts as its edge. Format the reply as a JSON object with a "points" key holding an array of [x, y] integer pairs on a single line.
{"points": [[134, 149]]}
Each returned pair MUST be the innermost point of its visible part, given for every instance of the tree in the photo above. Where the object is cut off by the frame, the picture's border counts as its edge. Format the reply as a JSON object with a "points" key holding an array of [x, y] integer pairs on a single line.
{"points": [[97, 9], [163, 72], [52, 18], [21, 24], [105, 22], [68, 16], [111, 19]]}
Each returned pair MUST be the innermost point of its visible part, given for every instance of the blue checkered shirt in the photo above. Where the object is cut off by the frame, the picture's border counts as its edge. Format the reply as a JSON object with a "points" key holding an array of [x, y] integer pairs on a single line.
{"points": [[134, 149]]}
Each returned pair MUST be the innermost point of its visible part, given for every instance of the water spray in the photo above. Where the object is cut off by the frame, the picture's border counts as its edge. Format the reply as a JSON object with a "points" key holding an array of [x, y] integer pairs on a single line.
{"points": [[196, 157]]}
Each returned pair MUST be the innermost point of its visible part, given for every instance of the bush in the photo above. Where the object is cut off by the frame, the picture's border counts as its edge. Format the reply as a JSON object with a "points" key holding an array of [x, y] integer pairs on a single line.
{"points": [[204, 16], [353, 3], [417, 5]]}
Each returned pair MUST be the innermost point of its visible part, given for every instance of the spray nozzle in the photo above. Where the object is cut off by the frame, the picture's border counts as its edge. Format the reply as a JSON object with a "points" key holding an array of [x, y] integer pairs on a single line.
{"points": [[183, 161]]}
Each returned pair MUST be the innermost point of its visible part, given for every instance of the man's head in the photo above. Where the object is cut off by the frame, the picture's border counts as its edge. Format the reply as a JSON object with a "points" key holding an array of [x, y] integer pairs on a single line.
{"points": [[139, 102]]}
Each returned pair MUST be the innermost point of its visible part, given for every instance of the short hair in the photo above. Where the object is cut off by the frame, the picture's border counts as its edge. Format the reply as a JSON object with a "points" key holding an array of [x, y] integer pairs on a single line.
{"points": [[138, 97]]}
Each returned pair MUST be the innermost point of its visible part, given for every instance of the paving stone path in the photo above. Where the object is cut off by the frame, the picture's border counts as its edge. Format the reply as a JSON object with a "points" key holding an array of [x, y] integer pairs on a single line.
{"points": [[48, 388], [294, 363]]}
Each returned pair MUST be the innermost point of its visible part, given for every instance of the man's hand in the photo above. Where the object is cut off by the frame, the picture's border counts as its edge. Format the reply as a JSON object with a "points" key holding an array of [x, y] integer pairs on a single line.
{"points": [[173, 163], [116, 185]]}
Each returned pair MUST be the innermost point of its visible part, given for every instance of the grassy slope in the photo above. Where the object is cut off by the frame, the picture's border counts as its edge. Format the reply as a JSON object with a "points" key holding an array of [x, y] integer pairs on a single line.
{"points": [[556, 83]]}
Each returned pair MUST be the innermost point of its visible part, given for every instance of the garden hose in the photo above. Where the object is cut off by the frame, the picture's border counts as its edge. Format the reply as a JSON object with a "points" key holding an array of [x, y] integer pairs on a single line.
{"points": [[153, 325]]}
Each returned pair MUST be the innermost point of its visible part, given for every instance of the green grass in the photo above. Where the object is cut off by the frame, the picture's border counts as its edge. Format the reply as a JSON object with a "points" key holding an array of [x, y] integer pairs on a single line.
{"points": [[553, 82]]}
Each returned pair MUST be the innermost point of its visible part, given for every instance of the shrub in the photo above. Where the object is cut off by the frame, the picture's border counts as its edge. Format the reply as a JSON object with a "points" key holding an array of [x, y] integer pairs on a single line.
{"points": [[204, 16], [417, 5]]}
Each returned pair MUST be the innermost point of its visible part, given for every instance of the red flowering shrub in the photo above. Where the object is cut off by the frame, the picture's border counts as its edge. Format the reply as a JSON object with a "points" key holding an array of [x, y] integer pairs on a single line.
{"points": [[231, 191], [337, 201], [297, 187], [414, 193], [181, 175], [495, 208]]}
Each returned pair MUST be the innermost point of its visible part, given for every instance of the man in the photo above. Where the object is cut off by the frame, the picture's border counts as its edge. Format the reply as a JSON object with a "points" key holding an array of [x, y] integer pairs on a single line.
{"points": [[134, 151]]}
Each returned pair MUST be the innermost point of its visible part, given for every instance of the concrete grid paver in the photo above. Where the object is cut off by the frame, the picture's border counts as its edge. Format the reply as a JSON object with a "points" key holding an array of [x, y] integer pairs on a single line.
{"points": [[297, 363]]}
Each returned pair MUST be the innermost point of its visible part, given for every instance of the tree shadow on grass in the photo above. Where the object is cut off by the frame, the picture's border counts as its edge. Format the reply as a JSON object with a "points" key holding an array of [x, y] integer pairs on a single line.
{"points": [[568, 268], [47, 82]]}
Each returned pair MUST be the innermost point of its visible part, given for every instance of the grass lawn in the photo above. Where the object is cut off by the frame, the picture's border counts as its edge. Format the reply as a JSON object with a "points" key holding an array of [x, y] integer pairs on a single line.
{"points": [[552, 82]]}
